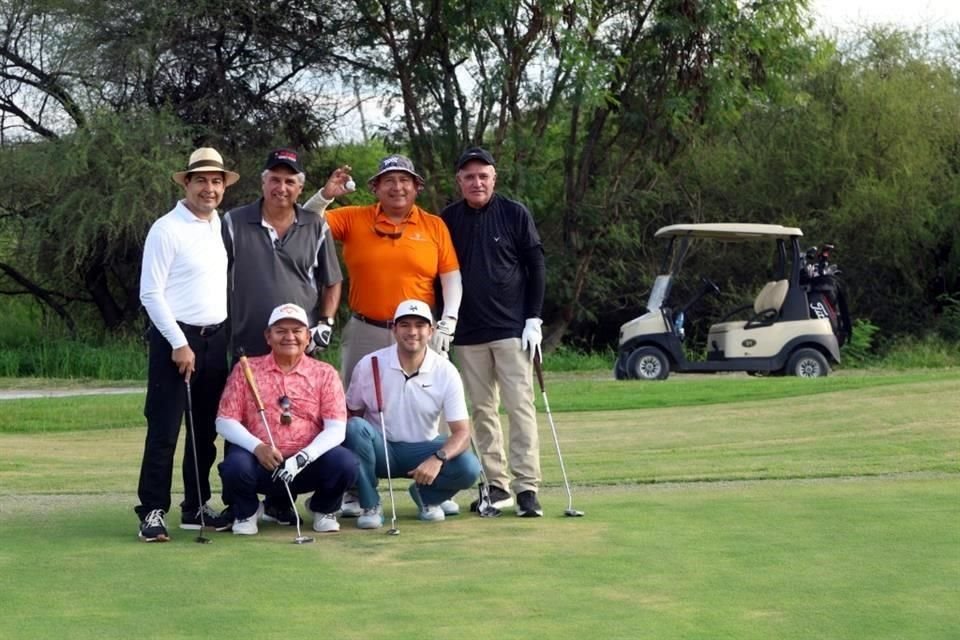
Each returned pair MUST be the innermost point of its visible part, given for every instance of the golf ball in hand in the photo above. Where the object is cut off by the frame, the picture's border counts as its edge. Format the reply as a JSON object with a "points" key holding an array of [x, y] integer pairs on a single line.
{"points": [[350, 185]]}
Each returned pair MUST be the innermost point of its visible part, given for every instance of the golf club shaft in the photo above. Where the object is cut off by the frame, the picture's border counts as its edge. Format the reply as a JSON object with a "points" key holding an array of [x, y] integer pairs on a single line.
{"points": [[538, 367], [375, 364], [252, 383], [196, 465]]}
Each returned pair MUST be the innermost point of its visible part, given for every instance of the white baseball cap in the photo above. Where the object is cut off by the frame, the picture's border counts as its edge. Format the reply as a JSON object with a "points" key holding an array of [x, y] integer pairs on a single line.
{"points": [[288, 311], [413, 308]]}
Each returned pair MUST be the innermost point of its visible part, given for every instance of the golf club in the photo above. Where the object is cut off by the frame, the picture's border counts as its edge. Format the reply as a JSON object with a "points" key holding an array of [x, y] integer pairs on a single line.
{"points": [[393, 530], [485, 508], [570, 512], [196, 468], [251, 381]]}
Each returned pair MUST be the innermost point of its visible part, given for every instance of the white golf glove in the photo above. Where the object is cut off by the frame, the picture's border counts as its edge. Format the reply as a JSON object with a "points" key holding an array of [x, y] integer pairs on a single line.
{"points": [[443, 335], [320, 337], [532, 336], [291, 467]]}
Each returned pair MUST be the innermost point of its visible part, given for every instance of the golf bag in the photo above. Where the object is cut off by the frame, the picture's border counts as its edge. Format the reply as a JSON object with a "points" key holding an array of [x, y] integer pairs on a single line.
{"points": [[826, 297]]}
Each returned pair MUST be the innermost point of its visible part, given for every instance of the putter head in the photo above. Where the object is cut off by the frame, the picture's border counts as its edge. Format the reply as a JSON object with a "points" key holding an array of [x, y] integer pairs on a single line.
{"points": [[393, 531], [302, 540], [485, 508], [203, 540], [572, 513]]}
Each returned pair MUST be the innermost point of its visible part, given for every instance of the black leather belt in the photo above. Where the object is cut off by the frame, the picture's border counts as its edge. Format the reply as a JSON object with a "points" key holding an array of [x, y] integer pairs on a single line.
{"points": [[372, 322], [203, 331]]}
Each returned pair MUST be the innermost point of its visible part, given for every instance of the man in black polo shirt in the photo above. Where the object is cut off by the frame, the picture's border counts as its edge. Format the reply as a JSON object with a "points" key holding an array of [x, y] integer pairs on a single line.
{"points": [[499, 331], [279, 252]]}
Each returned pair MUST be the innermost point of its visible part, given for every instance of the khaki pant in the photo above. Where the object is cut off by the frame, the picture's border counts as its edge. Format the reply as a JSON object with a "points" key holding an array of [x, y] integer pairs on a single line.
{"points": [[492, 370], [359, 339]]}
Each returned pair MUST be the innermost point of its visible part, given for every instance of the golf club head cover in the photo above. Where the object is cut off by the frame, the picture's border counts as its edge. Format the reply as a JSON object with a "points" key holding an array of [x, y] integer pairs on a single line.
{"points": [[291, 467], [532, 336], [320, 336], [443, 335]]}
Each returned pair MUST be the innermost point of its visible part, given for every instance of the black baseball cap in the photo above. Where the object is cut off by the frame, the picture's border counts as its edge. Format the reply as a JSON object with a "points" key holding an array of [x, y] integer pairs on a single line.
{"points": [[475, 153], [286, 157]]}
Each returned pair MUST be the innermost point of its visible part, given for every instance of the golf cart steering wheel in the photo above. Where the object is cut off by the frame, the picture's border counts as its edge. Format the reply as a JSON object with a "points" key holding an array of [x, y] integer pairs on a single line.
{"points": [[710, 285]]}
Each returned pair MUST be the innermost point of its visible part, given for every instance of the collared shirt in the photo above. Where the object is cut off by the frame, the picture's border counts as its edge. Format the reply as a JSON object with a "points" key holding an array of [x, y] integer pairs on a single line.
{"points": [[314, 391], [412, 405], [502, 265], [184, 273], [385, 271], [266, 270]]}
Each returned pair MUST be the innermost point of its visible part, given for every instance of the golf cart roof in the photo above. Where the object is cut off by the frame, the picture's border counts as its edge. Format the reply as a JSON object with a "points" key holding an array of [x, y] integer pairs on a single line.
{"points": [[729, 231]]}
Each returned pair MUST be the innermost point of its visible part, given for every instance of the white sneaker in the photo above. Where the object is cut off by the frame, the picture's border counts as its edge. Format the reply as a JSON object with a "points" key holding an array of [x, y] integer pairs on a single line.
{"points": [[431, 513], [323, 522], [450, 508], [371, 518], [351, 506], [248, 526]]}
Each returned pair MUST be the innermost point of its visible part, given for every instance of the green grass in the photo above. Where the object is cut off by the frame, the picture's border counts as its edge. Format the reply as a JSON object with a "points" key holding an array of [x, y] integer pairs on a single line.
{"points": [[581, 391], [792, 516]]}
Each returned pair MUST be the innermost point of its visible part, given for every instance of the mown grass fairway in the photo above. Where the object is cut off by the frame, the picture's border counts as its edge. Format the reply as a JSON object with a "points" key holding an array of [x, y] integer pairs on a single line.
{"points": [[802, 516]]}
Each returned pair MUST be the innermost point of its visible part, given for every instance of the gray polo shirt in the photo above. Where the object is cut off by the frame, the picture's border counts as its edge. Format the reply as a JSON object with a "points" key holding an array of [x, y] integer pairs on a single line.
{"points": [[264, 273]]}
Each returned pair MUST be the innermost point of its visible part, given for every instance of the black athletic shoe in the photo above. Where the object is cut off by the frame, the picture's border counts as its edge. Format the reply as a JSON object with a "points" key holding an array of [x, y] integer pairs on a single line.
{"points": [[153, 528], [217, 521], [499, 499], [281, 515], [528, 506]]}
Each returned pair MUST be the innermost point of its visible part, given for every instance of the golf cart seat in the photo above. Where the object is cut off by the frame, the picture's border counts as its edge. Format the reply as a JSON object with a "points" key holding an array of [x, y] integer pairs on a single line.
{"points": [[766, 309]]}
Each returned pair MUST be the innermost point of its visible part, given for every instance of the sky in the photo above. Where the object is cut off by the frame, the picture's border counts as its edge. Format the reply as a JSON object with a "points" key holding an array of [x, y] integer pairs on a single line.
{"points": [[848, 14]]}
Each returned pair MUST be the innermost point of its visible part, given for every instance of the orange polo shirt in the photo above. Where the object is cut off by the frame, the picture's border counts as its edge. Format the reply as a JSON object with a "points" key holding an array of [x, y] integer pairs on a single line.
{"points": [[385, 271]]}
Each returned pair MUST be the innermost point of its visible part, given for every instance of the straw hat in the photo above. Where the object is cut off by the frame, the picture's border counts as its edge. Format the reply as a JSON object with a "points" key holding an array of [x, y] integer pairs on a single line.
{"points": [[205, 159]]}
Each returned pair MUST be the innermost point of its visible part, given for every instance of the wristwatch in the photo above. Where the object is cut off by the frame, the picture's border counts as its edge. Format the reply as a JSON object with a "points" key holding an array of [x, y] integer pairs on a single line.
{"points": [[440, 455], [328, 320]]}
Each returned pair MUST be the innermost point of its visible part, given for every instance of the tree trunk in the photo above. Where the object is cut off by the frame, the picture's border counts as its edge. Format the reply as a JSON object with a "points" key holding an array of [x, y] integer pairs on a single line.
{"points": [[42, 295]]}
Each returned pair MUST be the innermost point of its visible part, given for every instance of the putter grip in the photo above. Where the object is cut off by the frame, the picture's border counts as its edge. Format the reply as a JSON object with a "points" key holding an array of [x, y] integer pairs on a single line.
{"points": [[376, 382], [538, 367], [248, 374]]}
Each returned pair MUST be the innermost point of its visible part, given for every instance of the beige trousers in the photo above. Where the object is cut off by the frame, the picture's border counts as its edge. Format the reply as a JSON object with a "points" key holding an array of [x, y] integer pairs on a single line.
{"points": [[359, 339], [492, 370]]}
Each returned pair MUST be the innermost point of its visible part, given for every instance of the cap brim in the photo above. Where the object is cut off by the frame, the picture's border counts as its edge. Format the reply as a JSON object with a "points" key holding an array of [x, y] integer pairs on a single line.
{"points": [[286, 163], [416, 175], [229, 177]]}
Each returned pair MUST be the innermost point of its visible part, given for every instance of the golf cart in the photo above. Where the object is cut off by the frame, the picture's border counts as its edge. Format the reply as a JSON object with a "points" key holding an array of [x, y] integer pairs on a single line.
{"points": [[779, 333]]}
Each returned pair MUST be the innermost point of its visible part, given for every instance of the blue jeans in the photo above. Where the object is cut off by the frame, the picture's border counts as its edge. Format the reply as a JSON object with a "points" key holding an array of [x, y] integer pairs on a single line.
{"points": [[366, 442], [328, 477]]}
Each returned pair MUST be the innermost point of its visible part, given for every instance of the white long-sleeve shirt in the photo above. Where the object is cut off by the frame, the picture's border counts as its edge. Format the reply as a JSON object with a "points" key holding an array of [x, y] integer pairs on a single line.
{"points": [[184, 273]]}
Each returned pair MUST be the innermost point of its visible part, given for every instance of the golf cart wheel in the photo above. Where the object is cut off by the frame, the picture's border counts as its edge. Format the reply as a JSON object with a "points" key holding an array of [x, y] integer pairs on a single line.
{"points": [[648, 363], [808, 363]]}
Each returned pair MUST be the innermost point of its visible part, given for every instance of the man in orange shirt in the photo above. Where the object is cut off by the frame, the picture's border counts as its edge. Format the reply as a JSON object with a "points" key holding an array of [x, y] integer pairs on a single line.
{"points": [[394, 251]]}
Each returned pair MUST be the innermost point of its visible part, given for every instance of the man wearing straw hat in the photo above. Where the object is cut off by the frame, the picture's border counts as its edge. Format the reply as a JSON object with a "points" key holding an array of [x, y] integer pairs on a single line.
{"points": [[183, 287]]}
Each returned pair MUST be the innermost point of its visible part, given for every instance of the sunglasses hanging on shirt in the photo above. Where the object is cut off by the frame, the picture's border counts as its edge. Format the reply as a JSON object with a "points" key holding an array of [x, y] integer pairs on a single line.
{"points": [[286, 417]]}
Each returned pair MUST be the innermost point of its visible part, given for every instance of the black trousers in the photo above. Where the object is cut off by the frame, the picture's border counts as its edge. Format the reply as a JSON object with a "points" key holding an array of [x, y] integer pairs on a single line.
{"points": [[164, 409]]}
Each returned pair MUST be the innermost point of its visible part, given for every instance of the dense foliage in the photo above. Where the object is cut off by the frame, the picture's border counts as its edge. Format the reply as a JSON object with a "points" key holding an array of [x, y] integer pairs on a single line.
{"points": [[609, 119]]}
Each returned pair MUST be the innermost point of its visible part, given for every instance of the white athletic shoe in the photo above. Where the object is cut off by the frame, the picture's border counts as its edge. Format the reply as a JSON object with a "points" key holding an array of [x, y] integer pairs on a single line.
{"points": [[450, 508], [371, 518], [248, 526], [431, 513], [351, 506], [323, 522]]}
